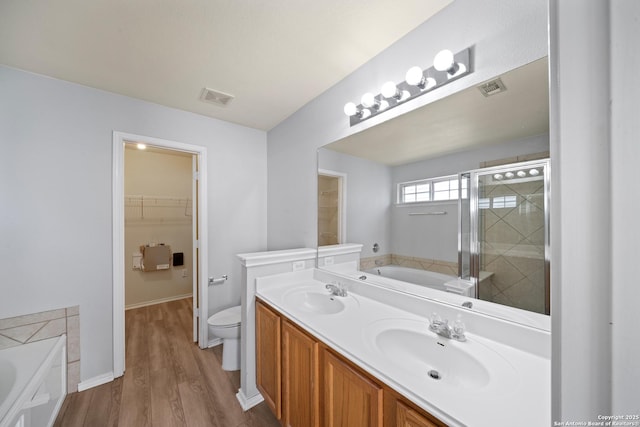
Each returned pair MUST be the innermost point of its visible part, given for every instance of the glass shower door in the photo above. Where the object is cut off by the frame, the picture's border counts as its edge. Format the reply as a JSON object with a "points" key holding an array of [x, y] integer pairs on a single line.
{"points": [[510, 235]]}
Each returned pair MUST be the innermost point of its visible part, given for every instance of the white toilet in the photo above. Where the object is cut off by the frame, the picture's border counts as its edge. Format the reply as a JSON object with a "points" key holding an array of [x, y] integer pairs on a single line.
{"points": [[225, 324]]}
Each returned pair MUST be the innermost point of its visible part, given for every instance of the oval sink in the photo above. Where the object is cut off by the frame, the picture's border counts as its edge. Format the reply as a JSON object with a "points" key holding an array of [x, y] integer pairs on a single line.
{"points": [[314, 301], [469, 365]]}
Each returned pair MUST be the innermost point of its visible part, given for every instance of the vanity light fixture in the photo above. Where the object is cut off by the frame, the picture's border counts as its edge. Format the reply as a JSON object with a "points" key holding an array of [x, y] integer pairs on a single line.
{"points": [[445, 61], [370, 101], [522, 175], [415, 77], [390, 90], [352, 110], [446, 68]]}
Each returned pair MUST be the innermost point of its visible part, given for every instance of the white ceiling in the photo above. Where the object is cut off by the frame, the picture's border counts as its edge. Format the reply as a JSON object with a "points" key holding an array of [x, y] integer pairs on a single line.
{"points": [[462, 121], [274, 56]]}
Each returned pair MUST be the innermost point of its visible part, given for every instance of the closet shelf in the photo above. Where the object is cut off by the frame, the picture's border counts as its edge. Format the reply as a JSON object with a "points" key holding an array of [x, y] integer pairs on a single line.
{"points": [[142, 207]]}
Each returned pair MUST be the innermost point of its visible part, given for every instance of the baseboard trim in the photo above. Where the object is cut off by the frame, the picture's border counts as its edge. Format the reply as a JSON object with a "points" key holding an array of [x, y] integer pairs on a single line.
{"points": [[214, 342], [95, 381], [247, 403], [157, 301]]}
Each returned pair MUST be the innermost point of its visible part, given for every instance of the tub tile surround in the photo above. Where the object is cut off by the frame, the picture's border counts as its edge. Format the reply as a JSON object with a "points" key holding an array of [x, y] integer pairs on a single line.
{"points": [[434, 265], [15, 331], [524, 348]]}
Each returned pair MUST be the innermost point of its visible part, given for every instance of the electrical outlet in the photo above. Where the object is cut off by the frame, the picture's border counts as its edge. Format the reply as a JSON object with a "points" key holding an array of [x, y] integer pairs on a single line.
{"points": [[185, 273], [328, 260], [298, 265]]}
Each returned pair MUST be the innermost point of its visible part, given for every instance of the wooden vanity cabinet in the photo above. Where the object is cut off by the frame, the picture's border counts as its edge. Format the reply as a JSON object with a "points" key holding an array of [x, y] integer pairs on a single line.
{"points": [[307, 384], [350, 397], [300, 378], [398, 412], [268, 357]]}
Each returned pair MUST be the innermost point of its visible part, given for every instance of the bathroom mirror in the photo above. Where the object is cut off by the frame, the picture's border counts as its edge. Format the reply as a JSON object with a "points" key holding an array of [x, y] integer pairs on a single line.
{"points": [[362, 180]]}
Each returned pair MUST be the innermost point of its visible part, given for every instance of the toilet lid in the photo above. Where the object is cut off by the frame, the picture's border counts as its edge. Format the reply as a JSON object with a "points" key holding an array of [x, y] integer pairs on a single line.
{"points": [[228, 317]]}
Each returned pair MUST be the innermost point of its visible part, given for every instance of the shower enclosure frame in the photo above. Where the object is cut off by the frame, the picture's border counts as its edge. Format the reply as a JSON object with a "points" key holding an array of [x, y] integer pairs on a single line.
{"points": [[469, 250]]}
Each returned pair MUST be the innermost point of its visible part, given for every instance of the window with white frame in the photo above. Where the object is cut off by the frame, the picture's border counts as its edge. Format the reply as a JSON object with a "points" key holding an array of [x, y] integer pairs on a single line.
{"points": [[431, 190]]}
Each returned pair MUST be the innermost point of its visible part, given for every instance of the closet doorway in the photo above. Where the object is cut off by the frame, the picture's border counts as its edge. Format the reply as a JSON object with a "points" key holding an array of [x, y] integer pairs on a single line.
{"points": [[159, 230]]}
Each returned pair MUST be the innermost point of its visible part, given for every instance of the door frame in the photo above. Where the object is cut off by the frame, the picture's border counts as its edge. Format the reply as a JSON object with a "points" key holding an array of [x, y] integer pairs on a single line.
{"points": [[200, 241]]}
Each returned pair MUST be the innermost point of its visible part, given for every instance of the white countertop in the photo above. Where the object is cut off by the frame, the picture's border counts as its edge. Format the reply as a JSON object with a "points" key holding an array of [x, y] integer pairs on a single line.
{"points": [[519, 393]]}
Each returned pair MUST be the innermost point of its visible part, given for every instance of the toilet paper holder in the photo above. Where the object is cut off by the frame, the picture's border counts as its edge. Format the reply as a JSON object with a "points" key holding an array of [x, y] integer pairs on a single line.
{"points": [[218, 281]]}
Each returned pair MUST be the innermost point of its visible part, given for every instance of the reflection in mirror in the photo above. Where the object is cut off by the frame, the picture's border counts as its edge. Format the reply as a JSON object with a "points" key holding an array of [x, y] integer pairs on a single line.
{"points": [[404, 188]]}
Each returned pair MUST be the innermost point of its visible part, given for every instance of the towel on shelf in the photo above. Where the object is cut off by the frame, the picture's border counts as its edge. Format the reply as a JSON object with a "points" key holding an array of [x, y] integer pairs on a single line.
{"points": [[156, 257]]}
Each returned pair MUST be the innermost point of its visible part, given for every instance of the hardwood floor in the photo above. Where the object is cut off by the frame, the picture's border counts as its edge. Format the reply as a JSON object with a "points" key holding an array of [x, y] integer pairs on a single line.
{"points": [[169, 381]]}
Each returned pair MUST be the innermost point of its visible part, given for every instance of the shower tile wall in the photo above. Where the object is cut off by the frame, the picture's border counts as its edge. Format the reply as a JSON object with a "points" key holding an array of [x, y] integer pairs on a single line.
{"points": [[512, 244], [20, 330]]}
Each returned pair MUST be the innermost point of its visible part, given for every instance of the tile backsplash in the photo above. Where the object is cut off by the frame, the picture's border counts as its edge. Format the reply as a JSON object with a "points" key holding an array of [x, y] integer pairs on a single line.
{"points": [[437, 266], [20, 330]]}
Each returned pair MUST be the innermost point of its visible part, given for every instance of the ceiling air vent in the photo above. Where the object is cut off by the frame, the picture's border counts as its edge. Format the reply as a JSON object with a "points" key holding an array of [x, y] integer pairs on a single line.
{"points": [[492, 87], [215, 97]]}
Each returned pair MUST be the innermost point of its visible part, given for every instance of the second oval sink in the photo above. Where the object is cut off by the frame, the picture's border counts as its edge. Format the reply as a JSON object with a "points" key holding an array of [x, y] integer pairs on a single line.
{"points": [[419, 352], [314, 302]]}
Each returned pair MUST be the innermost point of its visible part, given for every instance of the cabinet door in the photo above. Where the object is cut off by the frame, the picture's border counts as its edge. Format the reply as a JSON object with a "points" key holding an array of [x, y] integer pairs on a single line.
{"points": [[268, 357], [300, 394], [407, 417], [350, 398]]}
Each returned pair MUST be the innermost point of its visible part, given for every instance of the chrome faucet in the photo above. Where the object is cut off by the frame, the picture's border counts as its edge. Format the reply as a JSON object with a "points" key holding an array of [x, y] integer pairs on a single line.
{"points": [[442, 328], [337, 289]]}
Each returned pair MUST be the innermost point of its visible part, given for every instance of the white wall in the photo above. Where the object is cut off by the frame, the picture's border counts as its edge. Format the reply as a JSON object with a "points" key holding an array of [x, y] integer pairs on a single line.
{"points": [[504, 36], [581, 213], [625, 188], [55, 195], [368, 199]]}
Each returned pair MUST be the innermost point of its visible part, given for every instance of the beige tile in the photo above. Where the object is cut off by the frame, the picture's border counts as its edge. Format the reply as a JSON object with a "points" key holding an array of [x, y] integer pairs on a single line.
{"points": [[73, 338], [503, 233], [73, 311], [526, 219], [27, 319], [54, 328], [526, 295], [505, 275], [526, 265], [73, 376], [6, 342], [23, 333]]}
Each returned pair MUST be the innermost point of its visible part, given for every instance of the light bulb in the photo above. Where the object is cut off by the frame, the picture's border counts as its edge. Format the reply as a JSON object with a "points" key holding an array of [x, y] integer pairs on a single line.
{"points": [[414, 76], [350, 109], [509, 175], [521, 174], [443, 60], [389, 90], [141, 146], [498, 176], [368, 100], [534, 172], [383, 105]]}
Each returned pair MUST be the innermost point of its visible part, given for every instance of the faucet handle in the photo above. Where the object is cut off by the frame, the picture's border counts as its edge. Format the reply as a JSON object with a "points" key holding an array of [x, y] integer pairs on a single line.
{"points": [[458, 329], [435, 321]]}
